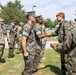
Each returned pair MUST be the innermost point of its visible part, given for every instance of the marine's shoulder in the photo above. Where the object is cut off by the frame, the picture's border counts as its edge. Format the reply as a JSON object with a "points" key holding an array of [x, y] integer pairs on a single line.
{"points": [[27, 25]]}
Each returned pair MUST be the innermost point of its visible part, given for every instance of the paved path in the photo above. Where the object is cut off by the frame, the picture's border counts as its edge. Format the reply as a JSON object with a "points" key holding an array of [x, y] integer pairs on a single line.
{"points": [[48, 44], [46, 47]]}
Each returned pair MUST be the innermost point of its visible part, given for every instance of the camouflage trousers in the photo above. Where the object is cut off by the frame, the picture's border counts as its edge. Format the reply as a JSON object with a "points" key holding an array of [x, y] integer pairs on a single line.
{"points": [[29, 62], [42, 51], [71, 66], [19, 48], [1, 50], [11, 48], [37, 59], [63, 61]]}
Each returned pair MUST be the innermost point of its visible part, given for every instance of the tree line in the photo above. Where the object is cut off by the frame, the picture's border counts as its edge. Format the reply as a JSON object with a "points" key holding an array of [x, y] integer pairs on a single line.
{"points": [[14, 11]]}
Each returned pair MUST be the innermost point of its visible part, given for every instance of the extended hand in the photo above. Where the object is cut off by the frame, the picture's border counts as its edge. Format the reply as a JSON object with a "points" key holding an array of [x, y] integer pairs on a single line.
{"points": [[48, 35]]}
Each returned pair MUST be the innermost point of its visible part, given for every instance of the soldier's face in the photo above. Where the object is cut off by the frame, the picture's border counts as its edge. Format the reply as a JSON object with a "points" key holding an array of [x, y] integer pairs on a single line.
{"points": [[40, 21], [59, 18], [12, 24], [1, 22], [32, 18]]}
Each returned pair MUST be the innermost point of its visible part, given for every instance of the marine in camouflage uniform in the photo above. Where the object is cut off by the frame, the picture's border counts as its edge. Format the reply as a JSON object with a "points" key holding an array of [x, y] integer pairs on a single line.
{"points": [[19, 36], [61, 32], [11, 39], [2, 43], [39, 37], [16, 38], [45, 38], [29, 44], [70, 47]]}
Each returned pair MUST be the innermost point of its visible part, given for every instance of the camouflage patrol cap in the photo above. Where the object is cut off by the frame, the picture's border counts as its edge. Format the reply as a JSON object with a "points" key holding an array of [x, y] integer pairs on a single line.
{"points": [[71, 21], [30, 13], [39, 17], [21, 23], [11, 21], [1, 19], [45, 21]]}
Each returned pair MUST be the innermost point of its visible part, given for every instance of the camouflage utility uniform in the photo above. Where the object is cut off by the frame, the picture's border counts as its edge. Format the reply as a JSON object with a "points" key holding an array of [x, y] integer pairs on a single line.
{"points": [[19, 35], [12, 34], [28, 31], [38, 30], [61, 32], [2, 43], [70, 47]]}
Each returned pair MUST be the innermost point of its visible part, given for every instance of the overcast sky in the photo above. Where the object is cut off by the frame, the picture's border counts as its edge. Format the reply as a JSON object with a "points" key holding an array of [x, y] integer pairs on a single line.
{"points": [[49, 8]]}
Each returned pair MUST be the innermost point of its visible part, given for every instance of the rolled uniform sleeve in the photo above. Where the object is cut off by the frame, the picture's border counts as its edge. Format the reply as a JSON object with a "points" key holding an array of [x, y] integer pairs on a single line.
{"points": [[26, 30], [38, 29]]}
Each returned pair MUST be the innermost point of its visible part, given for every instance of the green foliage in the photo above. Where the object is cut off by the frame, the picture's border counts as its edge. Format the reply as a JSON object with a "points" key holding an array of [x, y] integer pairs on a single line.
{"points": [[55, 23], [51, 23], [13, 11]]}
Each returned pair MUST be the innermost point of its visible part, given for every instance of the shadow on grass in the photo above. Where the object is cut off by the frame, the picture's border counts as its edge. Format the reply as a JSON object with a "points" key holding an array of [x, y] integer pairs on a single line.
{"points": [[2, 60], [55, 69]]}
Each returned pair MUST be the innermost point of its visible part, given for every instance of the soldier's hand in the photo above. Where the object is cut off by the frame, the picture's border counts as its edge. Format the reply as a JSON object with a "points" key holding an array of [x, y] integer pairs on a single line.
{"points": [[48, 35], [26, 54]]}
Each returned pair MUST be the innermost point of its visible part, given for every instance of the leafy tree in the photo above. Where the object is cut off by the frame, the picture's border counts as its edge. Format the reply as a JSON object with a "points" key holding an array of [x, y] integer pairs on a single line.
{"points": [[49, 23], [55, 23], [13, 11]]}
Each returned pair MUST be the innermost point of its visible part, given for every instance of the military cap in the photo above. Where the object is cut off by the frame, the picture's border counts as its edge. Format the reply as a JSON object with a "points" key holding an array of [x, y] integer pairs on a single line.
{"points": [[45, 20], [11, 21], [71, 21], [21, 23], [31, 13], [1, 19], [61, 14], [39, 17]]}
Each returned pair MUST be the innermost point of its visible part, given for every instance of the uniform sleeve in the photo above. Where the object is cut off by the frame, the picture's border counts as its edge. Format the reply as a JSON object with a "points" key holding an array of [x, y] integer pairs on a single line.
{"points": [[65, 46], [11, 29], [38, 30], [26, 30], [54, 33], [66, 27]]}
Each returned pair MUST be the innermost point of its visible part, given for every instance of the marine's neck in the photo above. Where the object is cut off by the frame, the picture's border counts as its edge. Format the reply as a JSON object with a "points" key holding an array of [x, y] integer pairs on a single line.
{"points": [[30, 23]]}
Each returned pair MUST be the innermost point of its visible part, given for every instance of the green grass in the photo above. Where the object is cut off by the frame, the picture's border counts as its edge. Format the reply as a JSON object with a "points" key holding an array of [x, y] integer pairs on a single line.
{"points": [[16, 66]]}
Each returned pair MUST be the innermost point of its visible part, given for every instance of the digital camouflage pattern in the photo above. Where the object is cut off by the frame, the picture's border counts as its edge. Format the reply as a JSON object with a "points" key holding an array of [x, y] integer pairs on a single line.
{"points": [[70, 48], [19, 36], [12, 34], [2, 43], [28, 31], [62, 32]]}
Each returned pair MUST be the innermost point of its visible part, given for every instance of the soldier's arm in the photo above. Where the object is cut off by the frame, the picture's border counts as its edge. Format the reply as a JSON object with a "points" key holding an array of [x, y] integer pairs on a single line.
{"points": [[24, 45], [55, 33], [65, 46], [39, 33], [25, 34]]}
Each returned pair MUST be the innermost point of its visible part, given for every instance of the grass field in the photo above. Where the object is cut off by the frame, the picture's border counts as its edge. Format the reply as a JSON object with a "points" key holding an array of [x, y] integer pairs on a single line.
{"points": [[16, 66]]}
